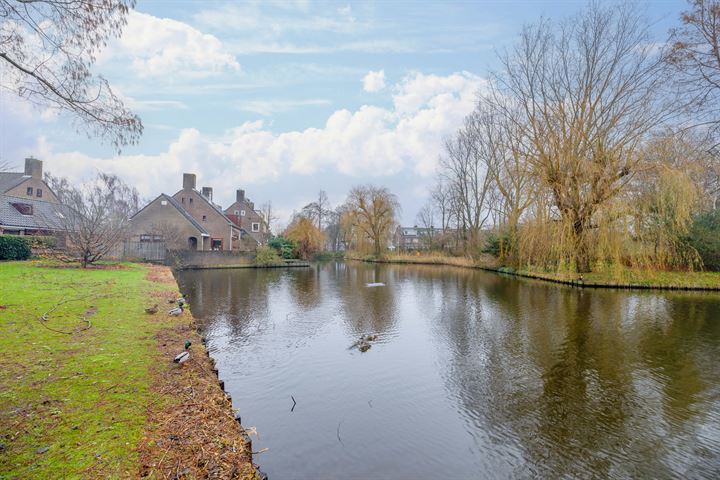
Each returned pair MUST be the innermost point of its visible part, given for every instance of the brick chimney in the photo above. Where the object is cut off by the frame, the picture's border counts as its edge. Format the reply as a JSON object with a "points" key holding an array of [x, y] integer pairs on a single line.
{"points": [[33, 168], [207, 193], [188, 181], [240, 195]]}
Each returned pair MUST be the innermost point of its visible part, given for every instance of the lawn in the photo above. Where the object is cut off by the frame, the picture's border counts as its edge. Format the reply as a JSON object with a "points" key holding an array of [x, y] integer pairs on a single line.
{"points": [[75, 388]]}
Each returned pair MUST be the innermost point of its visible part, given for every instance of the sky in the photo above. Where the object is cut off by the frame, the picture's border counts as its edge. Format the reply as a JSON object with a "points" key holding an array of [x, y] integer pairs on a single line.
{"points": [[286, 98]]}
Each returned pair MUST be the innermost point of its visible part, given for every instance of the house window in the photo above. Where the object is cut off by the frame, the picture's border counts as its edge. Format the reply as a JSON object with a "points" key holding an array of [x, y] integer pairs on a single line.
{"points": [[182, 200], [216, 244], [38, 192], [29, 191], [237, 212], [145, 238], [242, 213], [204, 218], [191, 201], [157, 238], [255, 227], [163, 202], [23, 208]]}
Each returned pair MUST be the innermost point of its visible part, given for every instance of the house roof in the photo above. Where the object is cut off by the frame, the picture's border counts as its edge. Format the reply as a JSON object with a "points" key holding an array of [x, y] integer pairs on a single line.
{"points": [[215, 207], [179, 208], [45, 215], [10, 180]]}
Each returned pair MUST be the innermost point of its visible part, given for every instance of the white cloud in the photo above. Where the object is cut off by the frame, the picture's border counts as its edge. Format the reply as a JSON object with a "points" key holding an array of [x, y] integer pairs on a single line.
{"points": [[369, 142], [374, 81], [167, 47]]}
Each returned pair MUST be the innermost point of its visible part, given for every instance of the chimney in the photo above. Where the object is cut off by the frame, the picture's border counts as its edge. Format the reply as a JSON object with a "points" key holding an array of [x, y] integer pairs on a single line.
{"points": [[188, 181], [207, 193], [240, 195], [33, 168]]}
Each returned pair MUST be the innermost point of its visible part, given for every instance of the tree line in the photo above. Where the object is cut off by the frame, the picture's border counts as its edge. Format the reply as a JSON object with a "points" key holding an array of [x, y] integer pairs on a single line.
{"points": [[591, 146]]}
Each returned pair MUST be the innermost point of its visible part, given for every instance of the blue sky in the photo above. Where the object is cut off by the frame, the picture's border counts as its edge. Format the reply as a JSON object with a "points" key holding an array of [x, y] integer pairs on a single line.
{"points": [[285, 98]]}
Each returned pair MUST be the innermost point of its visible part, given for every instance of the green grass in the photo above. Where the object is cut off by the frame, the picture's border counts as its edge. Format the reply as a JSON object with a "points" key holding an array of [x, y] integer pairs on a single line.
{"points": [[82, 396], [640, 278]]}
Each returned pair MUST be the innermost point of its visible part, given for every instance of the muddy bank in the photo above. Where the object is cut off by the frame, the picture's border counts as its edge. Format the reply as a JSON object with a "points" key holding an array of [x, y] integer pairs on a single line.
{"points": [[192, 431]]}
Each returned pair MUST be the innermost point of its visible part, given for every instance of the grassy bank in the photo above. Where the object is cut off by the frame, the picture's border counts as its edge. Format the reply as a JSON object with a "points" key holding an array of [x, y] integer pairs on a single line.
{"points": [[620, 277], [87, 384]]}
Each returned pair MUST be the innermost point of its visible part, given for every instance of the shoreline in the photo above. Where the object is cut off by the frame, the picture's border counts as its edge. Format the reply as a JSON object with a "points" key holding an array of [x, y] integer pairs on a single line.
{"points": [[462, 262]]}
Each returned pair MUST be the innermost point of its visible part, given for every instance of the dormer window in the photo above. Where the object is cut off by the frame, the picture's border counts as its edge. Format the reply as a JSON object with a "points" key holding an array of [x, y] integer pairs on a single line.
{"points": [[29, 191], [23, 208]]}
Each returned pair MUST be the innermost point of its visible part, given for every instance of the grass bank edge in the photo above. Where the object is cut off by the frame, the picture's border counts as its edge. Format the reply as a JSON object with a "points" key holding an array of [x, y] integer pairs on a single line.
{"points": [[612, 277]]}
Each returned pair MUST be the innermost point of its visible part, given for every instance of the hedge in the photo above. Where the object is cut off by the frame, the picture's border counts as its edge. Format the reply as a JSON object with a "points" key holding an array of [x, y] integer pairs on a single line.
{"points": [[13, 247]]}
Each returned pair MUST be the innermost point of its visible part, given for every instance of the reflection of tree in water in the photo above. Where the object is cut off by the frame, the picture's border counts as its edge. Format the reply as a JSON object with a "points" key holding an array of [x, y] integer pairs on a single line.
{"points": [[551, 372], [367, 309], [305, 284], [239, 297]]}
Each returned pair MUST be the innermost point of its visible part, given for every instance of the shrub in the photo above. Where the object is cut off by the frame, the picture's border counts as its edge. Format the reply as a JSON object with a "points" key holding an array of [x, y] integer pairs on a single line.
{"points": [[14, 248], [283, 246], [704, 236], [266, 255]]}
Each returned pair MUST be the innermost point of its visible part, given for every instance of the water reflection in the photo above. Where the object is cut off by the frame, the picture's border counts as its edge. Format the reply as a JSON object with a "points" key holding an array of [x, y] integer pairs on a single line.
{"points": [[511, 378]]}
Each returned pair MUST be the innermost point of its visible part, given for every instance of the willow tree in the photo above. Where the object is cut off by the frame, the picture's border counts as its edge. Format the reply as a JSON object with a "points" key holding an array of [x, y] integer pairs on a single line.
{"points": [[589, 91], [47, 50], [373, 211]]}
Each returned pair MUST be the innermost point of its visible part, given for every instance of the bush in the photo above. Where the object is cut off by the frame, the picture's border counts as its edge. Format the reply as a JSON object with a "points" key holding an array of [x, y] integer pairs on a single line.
{"points": [[704, 236], [266, 255], [283, 246], [14, 247]]}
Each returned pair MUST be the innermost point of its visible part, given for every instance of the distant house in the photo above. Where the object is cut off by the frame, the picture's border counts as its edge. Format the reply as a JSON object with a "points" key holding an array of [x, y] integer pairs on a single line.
{"points": [[27, 205], [414, 238], [189, 220], [242, 212]]}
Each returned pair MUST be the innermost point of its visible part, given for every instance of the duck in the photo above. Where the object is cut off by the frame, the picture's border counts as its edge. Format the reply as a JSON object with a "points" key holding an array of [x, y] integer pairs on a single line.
{"points": [[152, 310], [181, 300], [183, 356], [176, 312]]}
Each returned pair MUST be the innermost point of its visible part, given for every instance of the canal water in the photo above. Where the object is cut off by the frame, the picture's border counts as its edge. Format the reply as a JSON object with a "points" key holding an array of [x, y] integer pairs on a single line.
{"points": [[472, 374]]}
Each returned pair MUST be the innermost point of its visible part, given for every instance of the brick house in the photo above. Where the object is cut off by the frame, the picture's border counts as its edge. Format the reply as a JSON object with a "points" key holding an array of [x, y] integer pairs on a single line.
{"points": [[242, 212], [28, 184], [189, 220], [165, 220], [27, 204]]}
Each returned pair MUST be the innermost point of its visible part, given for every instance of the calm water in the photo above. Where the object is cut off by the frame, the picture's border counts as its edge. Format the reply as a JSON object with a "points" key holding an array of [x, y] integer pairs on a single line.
{"points": [[473, 375]]}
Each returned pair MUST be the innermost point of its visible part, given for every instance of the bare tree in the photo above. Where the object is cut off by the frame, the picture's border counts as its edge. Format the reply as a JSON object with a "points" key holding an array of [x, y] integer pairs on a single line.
{"points": [[99, 214], [318, 210], [695, 53], [467, 171], [268, 216], [47, 50], [590, 92], [373, 211]]}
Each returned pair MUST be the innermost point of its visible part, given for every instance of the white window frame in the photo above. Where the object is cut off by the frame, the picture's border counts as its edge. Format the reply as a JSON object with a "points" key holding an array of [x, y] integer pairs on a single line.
{"points": [[256, 227], [242, 213]]}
